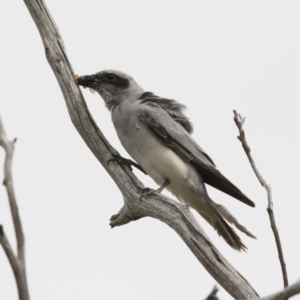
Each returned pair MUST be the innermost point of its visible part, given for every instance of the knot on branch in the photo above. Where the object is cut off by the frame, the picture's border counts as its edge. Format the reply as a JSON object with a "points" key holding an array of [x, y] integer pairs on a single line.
{"points": [[124, 216]]}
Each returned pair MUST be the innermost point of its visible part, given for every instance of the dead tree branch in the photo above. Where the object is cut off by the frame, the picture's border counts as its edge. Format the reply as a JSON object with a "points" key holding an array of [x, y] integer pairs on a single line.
{"points": [[288, 292], [157, 206], [239, 121], [17, 262]]}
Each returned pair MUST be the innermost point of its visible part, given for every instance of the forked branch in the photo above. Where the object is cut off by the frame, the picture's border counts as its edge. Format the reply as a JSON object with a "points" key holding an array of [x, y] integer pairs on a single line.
{"points": [[17, 261]]}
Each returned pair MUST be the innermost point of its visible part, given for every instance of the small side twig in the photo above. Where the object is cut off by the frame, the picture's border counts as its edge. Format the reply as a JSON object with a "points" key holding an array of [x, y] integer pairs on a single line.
{"points": [[123, 217], [17, 261], [239, 121], [213, 294]]}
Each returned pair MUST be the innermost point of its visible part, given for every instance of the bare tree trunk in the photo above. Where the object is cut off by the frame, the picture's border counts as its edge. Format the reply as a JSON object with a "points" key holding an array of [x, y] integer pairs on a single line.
{"points": [[157, 206]]}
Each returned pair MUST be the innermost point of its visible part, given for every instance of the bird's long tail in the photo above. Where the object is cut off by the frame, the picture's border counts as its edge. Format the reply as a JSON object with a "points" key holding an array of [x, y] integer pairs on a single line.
{"points": [[218, 221]]}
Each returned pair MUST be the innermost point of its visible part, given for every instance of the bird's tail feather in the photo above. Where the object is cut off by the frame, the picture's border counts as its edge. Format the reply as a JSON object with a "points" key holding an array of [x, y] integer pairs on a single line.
{"points": [[226, 214], [220, 214]]}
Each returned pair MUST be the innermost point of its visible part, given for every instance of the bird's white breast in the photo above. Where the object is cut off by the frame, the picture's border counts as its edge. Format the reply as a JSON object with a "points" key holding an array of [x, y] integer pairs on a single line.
{"points": [[159, 161]]}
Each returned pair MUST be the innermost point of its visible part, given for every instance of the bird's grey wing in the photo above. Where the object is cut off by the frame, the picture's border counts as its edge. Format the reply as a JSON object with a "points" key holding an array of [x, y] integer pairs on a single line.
{"points": [[174, 136], [171, 106]]}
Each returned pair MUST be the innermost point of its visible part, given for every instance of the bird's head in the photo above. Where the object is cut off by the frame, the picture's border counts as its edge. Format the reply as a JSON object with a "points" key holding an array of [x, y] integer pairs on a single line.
{"points": [[113, 86]]}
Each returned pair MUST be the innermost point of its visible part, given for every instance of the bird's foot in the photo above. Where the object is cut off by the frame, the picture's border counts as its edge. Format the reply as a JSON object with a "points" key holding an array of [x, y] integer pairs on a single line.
{"points": [[125, 161], [150, 192], [186, 206], [147, 192]]}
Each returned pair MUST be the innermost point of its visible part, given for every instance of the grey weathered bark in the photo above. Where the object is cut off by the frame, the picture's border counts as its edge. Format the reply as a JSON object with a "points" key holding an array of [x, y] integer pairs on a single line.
{"points": [[157, 206], [17, 261]]}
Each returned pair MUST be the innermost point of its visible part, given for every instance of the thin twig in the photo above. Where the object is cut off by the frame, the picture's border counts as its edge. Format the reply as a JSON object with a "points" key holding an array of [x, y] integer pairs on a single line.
{"points": [[17, 262], [288, 292], [239, 121], [8, 251], [8, 147], [213, 294]]}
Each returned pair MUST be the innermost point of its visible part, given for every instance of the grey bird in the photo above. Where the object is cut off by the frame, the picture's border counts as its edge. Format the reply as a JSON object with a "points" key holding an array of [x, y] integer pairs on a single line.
{"points": [[157, 135]]}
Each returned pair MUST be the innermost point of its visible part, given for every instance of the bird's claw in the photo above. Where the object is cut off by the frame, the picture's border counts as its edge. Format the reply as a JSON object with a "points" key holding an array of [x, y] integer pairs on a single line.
{"points": [[125, 161], [186, 206], [147, 192], [120, 160]]}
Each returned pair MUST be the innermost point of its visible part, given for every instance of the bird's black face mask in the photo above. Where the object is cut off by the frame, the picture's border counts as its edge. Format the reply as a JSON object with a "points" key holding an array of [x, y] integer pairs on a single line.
{"points": [[98, 79]]}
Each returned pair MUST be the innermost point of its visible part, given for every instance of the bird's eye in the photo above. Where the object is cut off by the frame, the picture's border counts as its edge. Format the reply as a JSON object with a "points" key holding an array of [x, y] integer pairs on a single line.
{"points": [[111, 76]]}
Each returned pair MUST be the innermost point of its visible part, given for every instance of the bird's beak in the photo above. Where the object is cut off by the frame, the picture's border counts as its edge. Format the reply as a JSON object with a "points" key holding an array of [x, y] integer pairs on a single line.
{"points": [[88, 81]]}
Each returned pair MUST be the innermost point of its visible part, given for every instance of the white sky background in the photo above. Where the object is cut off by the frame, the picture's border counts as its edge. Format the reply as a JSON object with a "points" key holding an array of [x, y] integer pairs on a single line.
{"points": [[214, 56]]}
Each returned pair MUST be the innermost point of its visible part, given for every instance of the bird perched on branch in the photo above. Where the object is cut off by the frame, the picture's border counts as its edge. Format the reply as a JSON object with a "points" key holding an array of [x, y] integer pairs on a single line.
{"points": [[157, 135]]}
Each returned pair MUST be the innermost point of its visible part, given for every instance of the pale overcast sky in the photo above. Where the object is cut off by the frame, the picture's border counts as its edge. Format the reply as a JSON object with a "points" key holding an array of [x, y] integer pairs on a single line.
{"points": [[213, 56]]}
